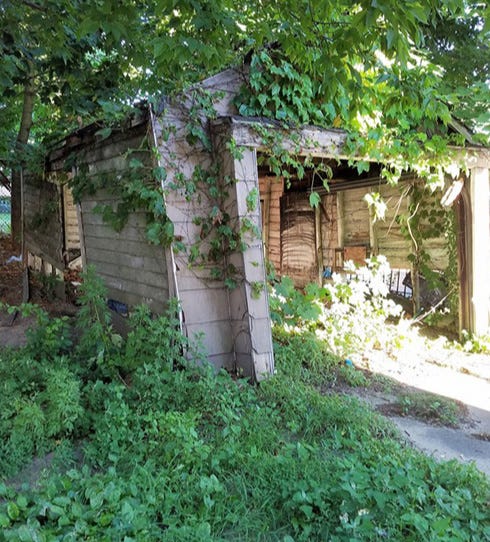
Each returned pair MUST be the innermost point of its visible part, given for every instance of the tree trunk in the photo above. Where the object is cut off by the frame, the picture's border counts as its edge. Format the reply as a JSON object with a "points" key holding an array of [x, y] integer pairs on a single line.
{"points": [[22, 139]]}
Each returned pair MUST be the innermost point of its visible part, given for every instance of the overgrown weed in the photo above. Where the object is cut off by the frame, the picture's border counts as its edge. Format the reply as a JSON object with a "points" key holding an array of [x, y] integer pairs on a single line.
{"points": [[348, 316], [176, 452], [428, 407]]}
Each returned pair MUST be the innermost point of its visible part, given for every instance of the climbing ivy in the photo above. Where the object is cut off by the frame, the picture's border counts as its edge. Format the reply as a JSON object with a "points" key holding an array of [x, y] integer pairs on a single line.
{"points": [[424, 220], [406, 130], [136, 188], [401, 122]]}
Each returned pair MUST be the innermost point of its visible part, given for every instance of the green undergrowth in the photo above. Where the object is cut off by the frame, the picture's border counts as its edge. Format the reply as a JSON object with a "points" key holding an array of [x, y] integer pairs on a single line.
{"points": [[177, 452], [430, 407]]}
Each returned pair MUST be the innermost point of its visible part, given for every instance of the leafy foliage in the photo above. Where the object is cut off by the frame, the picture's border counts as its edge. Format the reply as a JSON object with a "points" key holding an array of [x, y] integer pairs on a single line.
{"points": [[348, 315], [192, 455], [429, 407], [460, 46], [88, 65]]}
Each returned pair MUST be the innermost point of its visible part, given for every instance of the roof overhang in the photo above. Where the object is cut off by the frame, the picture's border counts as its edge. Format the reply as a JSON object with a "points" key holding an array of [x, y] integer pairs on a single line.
{"points": [[317, 142]]}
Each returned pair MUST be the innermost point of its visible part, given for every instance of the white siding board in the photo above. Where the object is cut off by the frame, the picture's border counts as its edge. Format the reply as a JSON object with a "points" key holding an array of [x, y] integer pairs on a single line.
{"points": [[129, 234], [152, 263]]}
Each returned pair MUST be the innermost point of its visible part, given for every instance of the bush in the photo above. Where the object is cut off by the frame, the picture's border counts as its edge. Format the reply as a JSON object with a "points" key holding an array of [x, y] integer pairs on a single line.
{"points": [[349, 316]]}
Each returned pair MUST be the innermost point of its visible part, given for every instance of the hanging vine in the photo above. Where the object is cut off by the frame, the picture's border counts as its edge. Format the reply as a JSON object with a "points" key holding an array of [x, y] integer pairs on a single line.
{"points": [[275, 89]]}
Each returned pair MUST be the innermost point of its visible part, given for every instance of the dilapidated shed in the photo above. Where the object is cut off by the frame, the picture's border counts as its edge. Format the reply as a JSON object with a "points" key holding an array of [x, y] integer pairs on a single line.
{"points": [[214, 176], [60, 234]]}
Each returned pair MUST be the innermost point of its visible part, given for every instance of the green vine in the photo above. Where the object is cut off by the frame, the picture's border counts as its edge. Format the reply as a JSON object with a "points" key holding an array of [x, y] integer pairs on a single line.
{"points": [[289, 98], [424, 220], [408, 131], [137, 187]]}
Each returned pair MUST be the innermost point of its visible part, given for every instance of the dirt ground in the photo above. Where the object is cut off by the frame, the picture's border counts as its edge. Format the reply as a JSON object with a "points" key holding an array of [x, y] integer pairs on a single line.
{"points": [[421, 365], [13, 292], [10, 274]]}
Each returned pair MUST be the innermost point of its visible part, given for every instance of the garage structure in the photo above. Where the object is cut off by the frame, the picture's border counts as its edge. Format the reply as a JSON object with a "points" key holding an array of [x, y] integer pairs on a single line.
{"points": [[233, 324]]}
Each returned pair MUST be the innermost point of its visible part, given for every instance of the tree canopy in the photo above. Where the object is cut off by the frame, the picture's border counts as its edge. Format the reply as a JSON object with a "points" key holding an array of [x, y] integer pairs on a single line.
{"points": [[386, 65]]}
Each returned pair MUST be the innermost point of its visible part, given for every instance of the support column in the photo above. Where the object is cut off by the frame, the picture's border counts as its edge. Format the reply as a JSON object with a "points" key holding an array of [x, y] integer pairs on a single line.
{"points": [[479, 264], [248, 300], [249, 304]]}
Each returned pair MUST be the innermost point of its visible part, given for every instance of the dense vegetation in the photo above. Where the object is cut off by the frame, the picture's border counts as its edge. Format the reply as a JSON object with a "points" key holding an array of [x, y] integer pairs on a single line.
{"points": [[147, 446], [394, 74]]}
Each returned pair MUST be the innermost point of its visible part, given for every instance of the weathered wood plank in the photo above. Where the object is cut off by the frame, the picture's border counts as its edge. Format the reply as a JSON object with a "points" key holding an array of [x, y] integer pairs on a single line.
{"points": [[155, 263], [135, 248], [97, 231], [130, 275]]}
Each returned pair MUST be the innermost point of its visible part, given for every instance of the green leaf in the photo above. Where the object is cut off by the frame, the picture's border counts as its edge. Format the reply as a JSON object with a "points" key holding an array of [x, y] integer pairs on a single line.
{"points": [[160, 173], [362, 166], [13, 510], [104, 133], [315, 199], [88, 26], [391, 38], [134, 163]]}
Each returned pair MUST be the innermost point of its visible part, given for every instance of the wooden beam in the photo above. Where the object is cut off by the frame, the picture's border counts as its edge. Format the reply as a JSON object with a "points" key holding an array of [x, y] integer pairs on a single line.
{"points": [[462, 207], [373, 233], [340, 220], [322, 142], [318, 243]]}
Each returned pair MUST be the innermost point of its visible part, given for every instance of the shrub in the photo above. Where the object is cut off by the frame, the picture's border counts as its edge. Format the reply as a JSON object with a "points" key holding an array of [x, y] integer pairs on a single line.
{"points": [[179, 452], [349, 316]]}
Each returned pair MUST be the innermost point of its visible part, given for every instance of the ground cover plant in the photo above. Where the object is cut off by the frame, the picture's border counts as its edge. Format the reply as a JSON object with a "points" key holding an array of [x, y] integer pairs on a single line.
{"points": [[172, 451], [426, 406]]}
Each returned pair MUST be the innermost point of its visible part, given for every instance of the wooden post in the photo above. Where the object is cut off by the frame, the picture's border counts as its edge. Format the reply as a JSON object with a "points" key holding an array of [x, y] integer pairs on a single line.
{"points": [[479, 264], [318, 243], [463, 241], [266, 214], [373, 233], [340, 219]]}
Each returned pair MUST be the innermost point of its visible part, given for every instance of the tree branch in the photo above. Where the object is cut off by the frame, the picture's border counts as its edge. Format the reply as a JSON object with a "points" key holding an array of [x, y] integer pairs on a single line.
{"points": [[34, 6], [27, 109]]}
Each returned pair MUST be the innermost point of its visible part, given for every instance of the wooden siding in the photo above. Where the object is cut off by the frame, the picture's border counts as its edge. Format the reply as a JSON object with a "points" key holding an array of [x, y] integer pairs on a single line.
{"points": [[388, 239], [133, 270], [384, 236], [271, 191], [347, 227], [355, 215], [230, 321], [329, 232], [72, 235], [299, 259], [192, 282], [43, 235]]}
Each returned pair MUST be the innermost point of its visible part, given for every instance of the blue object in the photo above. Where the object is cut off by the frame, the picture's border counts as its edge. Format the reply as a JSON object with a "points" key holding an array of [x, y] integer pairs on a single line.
{"points": [[349, 363], [118, 306], [327, 272]]}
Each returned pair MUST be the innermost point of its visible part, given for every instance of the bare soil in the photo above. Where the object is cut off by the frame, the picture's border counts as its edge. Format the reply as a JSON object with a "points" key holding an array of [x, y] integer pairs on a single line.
{"points": [[13, 293]]}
